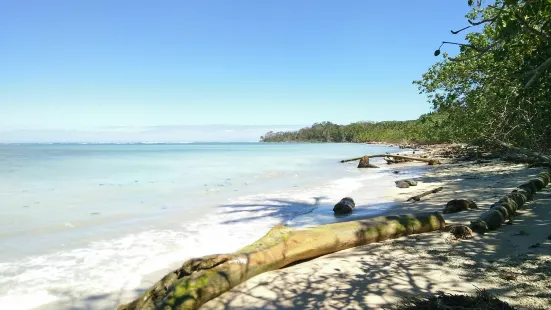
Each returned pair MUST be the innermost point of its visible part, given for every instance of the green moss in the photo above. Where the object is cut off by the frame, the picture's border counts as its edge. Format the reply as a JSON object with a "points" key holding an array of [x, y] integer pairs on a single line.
{"points": [[275, 236], [188, 290]]}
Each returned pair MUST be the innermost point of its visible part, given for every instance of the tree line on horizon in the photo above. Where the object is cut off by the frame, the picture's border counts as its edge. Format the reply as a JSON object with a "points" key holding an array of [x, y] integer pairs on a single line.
{"points": [[498, 86], [429, 128]]}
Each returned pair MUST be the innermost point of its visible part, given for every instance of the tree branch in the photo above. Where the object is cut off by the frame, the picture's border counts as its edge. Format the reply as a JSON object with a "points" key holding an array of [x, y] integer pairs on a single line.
{"points": [[458, 31], [481, 51], [493, 19], [530, 29], [539, 70]]}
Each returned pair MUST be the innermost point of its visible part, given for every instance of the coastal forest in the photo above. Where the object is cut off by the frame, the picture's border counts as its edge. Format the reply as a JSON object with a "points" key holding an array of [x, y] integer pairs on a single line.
{"points": [[497, 86]]}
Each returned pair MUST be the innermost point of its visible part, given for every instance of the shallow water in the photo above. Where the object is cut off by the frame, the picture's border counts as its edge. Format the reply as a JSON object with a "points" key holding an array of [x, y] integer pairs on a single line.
{"points": [[82, 220]]}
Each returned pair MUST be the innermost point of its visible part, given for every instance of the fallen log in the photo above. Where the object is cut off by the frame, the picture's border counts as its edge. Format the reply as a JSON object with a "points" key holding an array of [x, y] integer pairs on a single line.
{"points": [[430, 161], [432, 191], [507, 206], [202, 279], [545, 176], [488, 220], [391, 160]]}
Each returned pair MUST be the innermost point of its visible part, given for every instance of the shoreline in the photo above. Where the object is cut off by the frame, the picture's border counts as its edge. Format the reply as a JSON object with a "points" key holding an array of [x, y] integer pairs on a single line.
{"points": [[390, 202], [374, 275], [335, 191]]}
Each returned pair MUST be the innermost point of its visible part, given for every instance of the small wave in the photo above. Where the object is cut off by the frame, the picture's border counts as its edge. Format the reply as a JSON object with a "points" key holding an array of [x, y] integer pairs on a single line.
{"points": [[122, 264]]}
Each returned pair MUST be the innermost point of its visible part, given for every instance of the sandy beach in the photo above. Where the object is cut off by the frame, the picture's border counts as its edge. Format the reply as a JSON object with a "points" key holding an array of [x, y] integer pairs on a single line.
{"points": [[513, 262]]}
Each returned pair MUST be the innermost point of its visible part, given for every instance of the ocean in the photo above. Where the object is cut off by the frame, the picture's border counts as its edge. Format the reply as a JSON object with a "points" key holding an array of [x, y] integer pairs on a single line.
{"points": [[84, 220]]}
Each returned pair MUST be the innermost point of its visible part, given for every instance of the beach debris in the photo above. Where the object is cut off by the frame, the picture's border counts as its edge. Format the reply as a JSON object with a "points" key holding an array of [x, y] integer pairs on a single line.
{"points": [[482, 300], [432, 191], [530, 188], [364, 163], [345, 206], [405, 183], [488, 220], [394, 160], [508, 205], [461, 231], [199, 280], [430, 161], [402, 184], [508, 210], [458, 205]]}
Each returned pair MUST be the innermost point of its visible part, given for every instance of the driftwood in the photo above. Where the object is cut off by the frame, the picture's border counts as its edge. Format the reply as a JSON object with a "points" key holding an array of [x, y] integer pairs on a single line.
{"points": [[430, 161], [393, 160], [432, 191], [507, 206], [458, 205], [461, 231], [202, 279]]}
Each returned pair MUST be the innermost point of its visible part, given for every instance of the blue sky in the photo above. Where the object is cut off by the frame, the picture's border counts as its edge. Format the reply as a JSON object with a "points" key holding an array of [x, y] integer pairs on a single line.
{"points": [[97, 70]]}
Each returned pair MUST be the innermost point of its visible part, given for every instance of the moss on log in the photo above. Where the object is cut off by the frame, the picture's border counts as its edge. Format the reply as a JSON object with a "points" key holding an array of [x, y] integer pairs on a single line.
{"points": [[510, 201], [201, 279], [489, 220], [508, 205], [545, 176], [538, 183], [518, 198], [528, 190]]}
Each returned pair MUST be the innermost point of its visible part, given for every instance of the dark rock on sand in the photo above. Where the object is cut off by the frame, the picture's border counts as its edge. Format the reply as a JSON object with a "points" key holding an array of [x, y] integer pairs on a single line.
{"points": [[345, 206], [405, 183], [402, 184], [458, 205]]}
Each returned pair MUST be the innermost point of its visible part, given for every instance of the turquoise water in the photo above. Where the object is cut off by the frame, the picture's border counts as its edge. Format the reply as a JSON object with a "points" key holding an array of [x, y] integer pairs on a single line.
{"points": [[97, 218]]}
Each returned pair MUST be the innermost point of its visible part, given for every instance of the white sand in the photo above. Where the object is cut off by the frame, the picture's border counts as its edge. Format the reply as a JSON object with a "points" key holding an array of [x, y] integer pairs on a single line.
{"points": [[371, 276]]}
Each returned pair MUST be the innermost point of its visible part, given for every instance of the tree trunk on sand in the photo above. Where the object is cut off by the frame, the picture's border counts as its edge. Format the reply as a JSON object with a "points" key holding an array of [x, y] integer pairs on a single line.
{"points": [[430, 161], [393, 160], [202, 279], [507, 206], [364, 163], [432, 191]]}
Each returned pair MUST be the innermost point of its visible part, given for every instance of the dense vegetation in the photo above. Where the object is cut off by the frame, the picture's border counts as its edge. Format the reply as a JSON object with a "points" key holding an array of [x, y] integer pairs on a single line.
{"points": [[427, 129], [497, 87]]}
